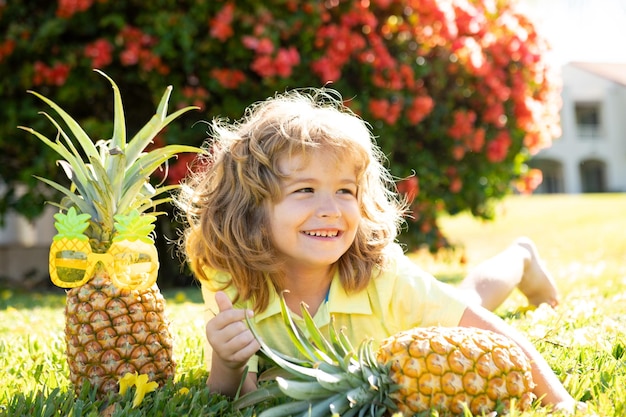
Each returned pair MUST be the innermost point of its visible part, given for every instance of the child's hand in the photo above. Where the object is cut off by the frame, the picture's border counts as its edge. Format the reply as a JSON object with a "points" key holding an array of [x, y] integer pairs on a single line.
{"points": [[229, 336]]}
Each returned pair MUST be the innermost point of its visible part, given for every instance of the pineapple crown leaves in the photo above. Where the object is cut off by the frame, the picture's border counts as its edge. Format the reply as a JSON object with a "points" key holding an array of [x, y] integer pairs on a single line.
{"points": [[114, 178], [134, 226], [333, 379], [71, 225]]}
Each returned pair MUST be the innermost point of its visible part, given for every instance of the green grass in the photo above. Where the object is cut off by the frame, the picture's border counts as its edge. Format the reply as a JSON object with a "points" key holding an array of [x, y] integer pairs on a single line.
{"points": [[581, 238]]}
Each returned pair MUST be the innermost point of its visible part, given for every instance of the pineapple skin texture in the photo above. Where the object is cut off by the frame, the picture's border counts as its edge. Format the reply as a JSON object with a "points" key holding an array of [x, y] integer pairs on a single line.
{"points": [[110, 332], [444, 368]]}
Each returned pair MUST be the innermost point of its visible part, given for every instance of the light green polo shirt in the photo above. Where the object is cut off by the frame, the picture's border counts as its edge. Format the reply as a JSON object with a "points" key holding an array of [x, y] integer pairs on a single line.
{"points": [[403, 296]]}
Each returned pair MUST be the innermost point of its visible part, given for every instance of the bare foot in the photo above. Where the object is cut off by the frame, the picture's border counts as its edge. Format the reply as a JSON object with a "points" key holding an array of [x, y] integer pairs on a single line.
{"points": [[537, 283]]}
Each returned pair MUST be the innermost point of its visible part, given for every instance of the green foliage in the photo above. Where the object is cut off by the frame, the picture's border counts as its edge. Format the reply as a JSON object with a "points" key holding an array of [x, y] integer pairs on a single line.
{"points": [[458, 93]]}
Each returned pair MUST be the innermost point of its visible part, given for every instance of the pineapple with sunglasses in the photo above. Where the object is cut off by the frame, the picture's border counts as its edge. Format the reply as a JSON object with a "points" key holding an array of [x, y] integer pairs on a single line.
{"points": [[104, 250]]}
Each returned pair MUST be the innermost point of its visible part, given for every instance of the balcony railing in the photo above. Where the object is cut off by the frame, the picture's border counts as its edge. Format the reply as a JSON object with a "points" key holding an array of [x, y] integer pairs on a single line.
{"points": [[589, 131]]}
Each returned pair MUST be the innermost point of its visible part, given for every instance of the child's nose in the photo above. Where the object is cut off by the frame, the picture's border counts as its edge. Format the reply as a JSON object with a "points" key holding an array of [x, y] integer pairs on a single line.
{"points": [[328, 207]]}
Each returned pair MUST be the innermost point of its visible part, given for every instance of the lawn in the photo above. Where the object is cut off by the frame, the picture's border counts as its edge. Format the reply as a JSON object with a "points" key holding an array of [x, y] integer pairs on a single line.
{"points": [[581, 238]]}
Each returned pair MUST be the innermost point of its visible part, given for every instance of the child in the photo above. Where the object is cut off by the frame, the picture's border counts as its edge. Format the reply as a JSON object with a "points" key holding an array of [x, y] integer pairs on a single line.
{"points": [[294, 196]]}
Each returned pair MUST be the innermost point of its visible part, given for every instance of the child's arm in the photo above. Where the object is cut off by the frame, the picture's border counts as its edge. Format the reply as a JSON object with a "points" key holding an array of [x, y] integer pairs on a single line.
{"points": [[548, 387], [233, 345]]}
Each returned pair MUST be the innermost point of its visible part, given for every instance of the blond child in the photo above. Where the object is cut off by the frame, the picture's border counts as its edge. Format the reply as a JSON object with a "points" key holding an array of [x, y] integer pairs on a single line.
{"points": [[295, 196]]}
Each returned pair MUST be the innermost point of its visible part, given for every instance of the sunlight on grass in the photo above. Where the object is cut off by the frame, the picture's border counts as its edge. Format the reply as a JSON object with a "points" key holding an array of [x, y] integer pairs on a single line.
{"points": [[580, 237]]}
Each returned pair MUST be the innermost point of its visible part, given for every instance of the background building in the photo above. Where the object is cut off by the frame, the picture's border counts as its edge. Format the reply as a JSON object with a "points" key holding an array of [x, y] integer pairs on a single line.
{"points": [[591, 154]]}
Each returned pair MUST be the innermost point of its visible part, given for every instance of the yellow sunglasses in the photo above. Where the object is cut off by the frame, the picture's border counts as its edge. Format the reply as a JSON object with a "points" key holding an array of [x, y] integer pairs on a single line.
{"points": [[130, 264]]}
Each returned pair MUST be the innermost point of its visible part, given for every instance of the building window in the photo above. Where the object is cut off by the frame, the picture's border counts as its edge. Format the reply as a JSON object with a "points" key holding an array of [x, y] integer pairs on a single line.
{"points": [[588, 120], [592, 174], [552, 172]]}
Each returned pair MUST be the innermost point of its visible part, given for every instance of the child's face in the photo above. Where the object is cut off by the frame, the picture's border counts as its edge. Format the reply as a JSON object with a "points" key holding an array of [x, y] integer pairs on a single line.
{"points": [[316, 219]]}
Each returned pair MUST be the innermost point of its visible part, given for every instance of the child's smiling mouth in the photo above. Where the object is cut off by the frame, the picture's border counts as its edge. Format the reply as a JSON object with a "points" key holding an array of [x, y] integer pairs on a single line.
{"points": [[321, 233]]}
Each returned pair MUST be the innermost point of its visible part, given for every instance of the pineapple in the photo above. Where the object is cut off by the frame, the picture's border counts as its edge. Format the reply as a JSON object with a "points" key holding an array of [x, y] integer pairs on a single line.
{"points": [[104, 252], [447, 370]]}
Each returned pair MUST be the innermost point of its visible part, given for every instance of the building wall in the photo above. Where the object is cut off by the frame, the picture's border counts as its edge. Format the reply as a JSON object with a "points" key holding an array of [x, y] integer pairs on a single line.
{"points": [[24, 249], [578, 153]]}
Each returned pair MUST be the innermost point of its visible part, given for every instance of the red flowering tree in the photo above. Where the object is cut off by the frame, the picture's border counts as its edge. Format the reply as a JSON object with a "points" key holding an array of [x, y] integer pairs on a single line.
{"points": [[458, 91]]}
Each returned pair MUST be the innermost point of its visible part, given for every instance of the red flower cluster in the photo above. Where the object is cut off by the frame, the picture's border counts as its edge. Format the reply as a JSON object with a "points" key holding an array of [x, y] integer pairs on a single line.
{"points": [[455, 183], [385, 110], [194, 96], [463, 124], [529, 183], [281, 64], [138, 50], [100, 52], [68, 8], [340, 42], [499, 146], [228, 78], [45, 75], [420, 108], [6, 48], [220, 25]]}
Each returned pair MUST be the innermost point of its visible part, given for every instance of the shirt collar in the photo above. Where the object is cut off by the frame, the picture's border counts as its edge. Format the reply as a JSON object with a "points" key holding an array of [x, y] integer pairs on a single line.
{"points": [[338, 302]]}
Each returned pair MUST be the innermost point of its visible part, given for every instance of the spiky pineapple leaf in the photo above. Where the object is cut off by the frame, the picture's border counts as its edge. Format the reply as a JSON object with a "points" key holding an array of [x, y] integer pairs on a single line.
{"points": [[83, 139], [78, 173], [344, 382], [70, 199], [147, 133], [260, 394], [71, 225], [287, 409], [291, 365], [144, 166], [148, 203], [134, 226], [317, 337], [119, 124], [148, 162], [298, 337], [114, 179]]}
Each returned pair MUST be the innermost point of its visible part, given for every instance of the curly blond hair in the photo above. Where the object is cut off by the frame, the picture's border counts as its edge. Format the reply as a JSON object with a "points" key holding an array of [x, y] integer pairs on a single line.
{"points": [[225, 201]]}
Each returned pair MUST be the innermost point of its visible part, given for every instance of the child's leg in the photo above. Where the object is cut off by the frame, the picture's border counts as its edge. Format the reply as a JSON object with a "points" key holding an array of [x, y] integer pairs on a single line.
{"points": [[519, 265]]}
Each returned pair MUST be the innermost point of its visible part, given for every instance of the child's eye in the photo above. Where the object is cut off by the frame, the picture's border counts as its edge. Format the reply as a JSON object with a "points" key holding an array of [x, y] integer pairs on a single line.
{"points": [[305, 190], [347, 191]]}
